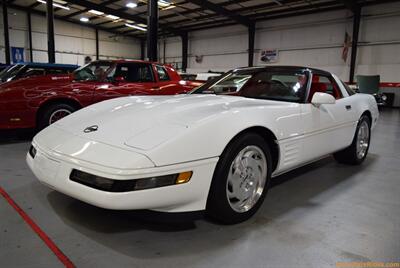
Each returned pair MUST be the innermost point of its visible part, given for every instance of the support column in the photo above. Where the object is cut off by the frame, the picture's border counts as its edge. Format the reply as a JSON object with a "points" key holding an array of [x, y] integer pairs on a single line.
{"points": [[354, 45], [185, 46], [97, 45], [50, 32], [252, 35], [6, 33], [152, 29], [142, 49], [30, 37]]}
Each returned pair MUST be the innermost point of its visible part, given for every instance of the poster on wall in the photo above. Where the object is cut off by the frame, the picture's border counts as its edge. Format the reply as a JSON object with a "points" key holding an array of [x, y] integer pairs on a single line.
{"points": [[269, 55], [17, 54]]}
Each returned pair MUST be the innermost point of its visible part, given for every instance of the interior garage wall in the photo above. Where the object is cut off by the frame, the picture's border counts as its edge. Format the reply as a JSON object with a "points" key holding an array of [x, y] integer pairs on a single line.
{"points": [[312, 40], [72, 42]]}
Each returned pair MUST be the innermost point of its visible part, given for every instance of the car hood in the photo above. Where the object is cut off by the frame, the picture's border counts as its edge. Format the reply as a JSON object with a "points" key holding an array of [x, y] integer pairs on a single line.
{"points": [[144, 122]]}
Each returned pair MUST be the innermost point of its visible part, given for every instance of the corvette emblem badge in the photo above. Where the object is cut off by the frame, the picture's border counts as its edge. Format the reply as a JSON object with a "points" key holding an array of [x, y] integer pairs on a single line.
{"points": [[91, 129]]}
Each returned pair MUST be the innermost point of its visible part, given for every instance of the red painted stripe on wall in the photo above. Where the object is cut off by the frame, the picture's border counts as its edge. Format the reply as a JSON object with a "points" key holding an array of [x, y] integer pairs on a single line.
{"points": [[49, 243]]}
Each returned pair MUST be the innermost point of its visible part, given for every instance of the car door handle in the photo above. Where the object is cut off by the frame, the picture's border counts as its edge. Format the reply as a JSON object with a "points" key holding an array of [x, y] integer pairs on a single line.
{"points": [[348, 107]]}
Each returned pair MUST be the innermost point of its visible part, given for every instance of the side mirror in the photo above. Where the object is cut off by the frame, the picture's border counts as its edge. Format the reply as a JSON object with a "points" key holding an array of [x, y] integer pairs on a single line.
{"points": [[119, 79], [322, 98]]}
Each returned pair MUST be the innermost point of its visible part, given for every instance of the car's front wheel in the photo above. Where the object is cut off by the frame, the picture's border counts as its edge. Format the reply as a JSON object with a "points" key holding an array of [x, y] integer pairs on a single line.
{"points": [[356, 153], [53, 113], [240, 180]]}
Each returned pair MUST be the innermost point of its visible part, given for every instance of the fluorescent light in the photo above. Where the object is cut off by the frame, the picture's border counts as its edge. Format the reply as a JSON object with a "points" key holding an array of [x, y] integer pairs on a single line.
{"points": [[168, 7], [55, 5], [142, 25], [99, 13], [163, 3], [112, 17], [84, 19], [135, 27], [131, 5]]}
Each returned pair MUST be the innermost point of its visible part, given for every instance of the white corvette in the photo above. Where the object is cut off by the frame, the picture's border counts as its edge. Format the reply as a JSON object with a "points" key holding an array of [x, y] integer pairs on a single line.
{"points": [[214, 149]]}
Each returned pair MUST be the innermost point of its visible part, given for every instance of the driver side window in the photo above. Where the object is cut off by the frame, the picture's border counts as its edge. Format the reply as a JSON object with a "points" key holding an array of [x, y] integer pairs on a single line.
{"points": [[324, 84], [134, 72], [32, 72]]}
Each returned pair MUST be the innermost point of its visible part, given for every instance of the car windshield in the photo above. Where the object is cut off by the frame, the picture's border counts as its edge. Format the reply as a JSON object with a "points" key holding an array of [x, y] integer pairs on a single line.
{"points": [[94, 71], [283, 85], [10, 72]]}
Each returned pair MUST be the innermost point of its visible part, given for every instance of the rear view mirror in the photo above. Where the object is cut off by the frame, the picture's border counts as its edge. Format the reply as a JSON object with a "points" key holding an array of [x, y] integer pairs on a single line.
{"points": [[322, 98]]}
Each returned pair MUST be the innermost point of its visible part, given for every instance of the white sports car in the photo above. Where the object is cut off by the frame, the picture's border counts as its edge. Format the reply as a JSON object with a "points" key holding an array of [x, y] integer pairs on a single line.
{"points": [[214, 149]]}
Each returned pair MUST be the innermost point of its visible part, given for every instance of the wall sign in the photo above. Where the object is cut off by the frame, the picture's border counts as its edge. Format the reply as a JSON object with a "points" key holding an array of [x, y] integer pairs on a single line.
{"points": [[269, 55], [17, 54]]}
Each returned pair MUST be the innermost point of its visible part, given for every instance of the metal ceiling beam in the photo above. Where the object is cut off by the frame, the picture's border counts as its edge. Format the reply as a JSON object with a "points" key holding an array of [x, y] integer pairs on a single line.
{"points": [[121, 14], [43, 14], [87, 9], [190, 11], [304, 10], [350, 4], [222, 11], [239, 10]]}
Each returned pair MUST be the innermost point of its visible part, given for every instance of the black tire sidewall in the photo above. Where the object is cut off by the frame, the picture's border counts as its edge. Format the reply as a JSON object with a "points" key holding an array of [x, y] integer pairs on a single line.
{"points": [[44, 117], [354, 144], [218, 207]]}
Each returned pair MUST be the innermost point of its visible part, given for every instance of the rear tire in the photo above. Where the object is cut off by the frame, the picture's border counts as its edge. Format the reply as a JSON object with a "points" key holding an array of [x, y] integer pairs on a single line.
{"points": [[240, 180], [356, 153], [54, 113]]}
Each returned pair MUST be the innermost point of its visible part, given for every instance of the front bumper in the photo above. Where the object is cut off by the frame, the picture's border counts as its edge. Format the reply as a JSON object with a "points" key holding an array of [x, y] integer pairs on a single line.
{"points": [[53, 170]]}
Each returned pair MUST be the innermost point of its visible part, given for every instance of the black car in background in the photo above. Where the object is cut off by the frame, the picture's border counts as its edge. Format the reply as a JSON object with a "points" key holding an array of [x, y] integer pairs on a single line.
{"points": [[29, 69]]}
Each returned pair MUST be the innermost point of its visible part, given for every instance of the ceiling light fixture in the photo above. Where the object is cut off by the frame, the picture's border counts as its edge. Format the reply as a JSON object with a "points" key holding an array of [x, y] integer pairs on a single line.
{"points": [[84, 19], [112, 17], [136, 27], [55, 5], [96, 12], [131, 5]]}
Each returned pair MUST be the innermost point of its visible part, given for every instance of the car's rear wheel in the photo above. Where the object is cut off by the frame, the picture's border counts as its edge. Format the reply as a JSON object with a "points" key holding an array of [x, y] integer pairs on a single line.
{"points": [[240, 180], [53, 113], [356, 153]]}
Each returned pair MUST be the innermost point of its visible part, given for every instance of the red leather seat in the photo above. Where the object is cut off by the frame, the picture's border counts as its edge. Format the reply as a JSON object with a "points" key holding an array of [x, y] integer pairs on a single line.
{"points": [[317, 87]]}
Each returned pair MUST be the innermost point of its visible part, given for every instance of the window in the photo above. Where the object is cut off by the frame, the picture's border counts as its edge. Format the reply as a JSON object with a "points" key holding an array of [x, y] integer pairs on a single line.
{"points": [[162, 73], [286, 85], [348, 89], [10, 72], [57, 71], [29, 72], [324, 84], [134, 72], [94, 71]]}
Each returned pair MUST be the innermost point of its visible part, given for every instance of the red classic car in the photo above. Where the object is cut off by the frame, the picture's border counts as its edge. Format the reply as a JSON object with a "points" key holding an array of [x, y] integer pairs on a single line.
{"points": [[42, 100]]}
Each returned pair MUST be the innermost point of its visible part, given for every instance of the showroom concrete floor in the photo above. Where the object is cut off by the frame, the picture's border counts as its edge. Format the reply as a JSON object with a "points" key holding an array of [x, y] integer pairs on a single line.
{"points": [[313, 217]]}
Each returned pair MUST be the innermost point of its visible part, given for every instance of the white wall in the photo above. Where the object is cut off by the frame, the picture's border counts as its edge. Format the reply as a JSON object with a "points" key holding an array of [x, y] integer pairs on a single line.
{"points": [[72, 42], [312, 40]]}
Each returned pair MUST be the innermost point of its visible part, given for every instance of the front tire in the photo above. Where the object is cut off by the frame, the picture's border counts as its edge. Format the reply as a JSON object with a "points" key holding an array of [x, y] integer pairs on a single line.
{"points": [[356, 153], [54, 113], [240, 180]]}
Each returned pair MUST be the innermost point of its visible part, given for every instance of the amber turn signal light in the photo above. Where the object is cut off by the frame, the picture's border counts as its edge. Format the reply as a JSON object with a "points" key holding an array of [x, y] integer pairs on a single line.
{"points": [[183, 177]]}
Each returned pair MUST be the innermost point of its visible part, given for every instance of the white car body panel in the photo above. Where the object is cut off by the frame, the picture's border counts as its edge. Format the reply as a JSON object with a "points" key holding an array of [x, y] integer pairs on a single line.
{"points": [[145, 136]]}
